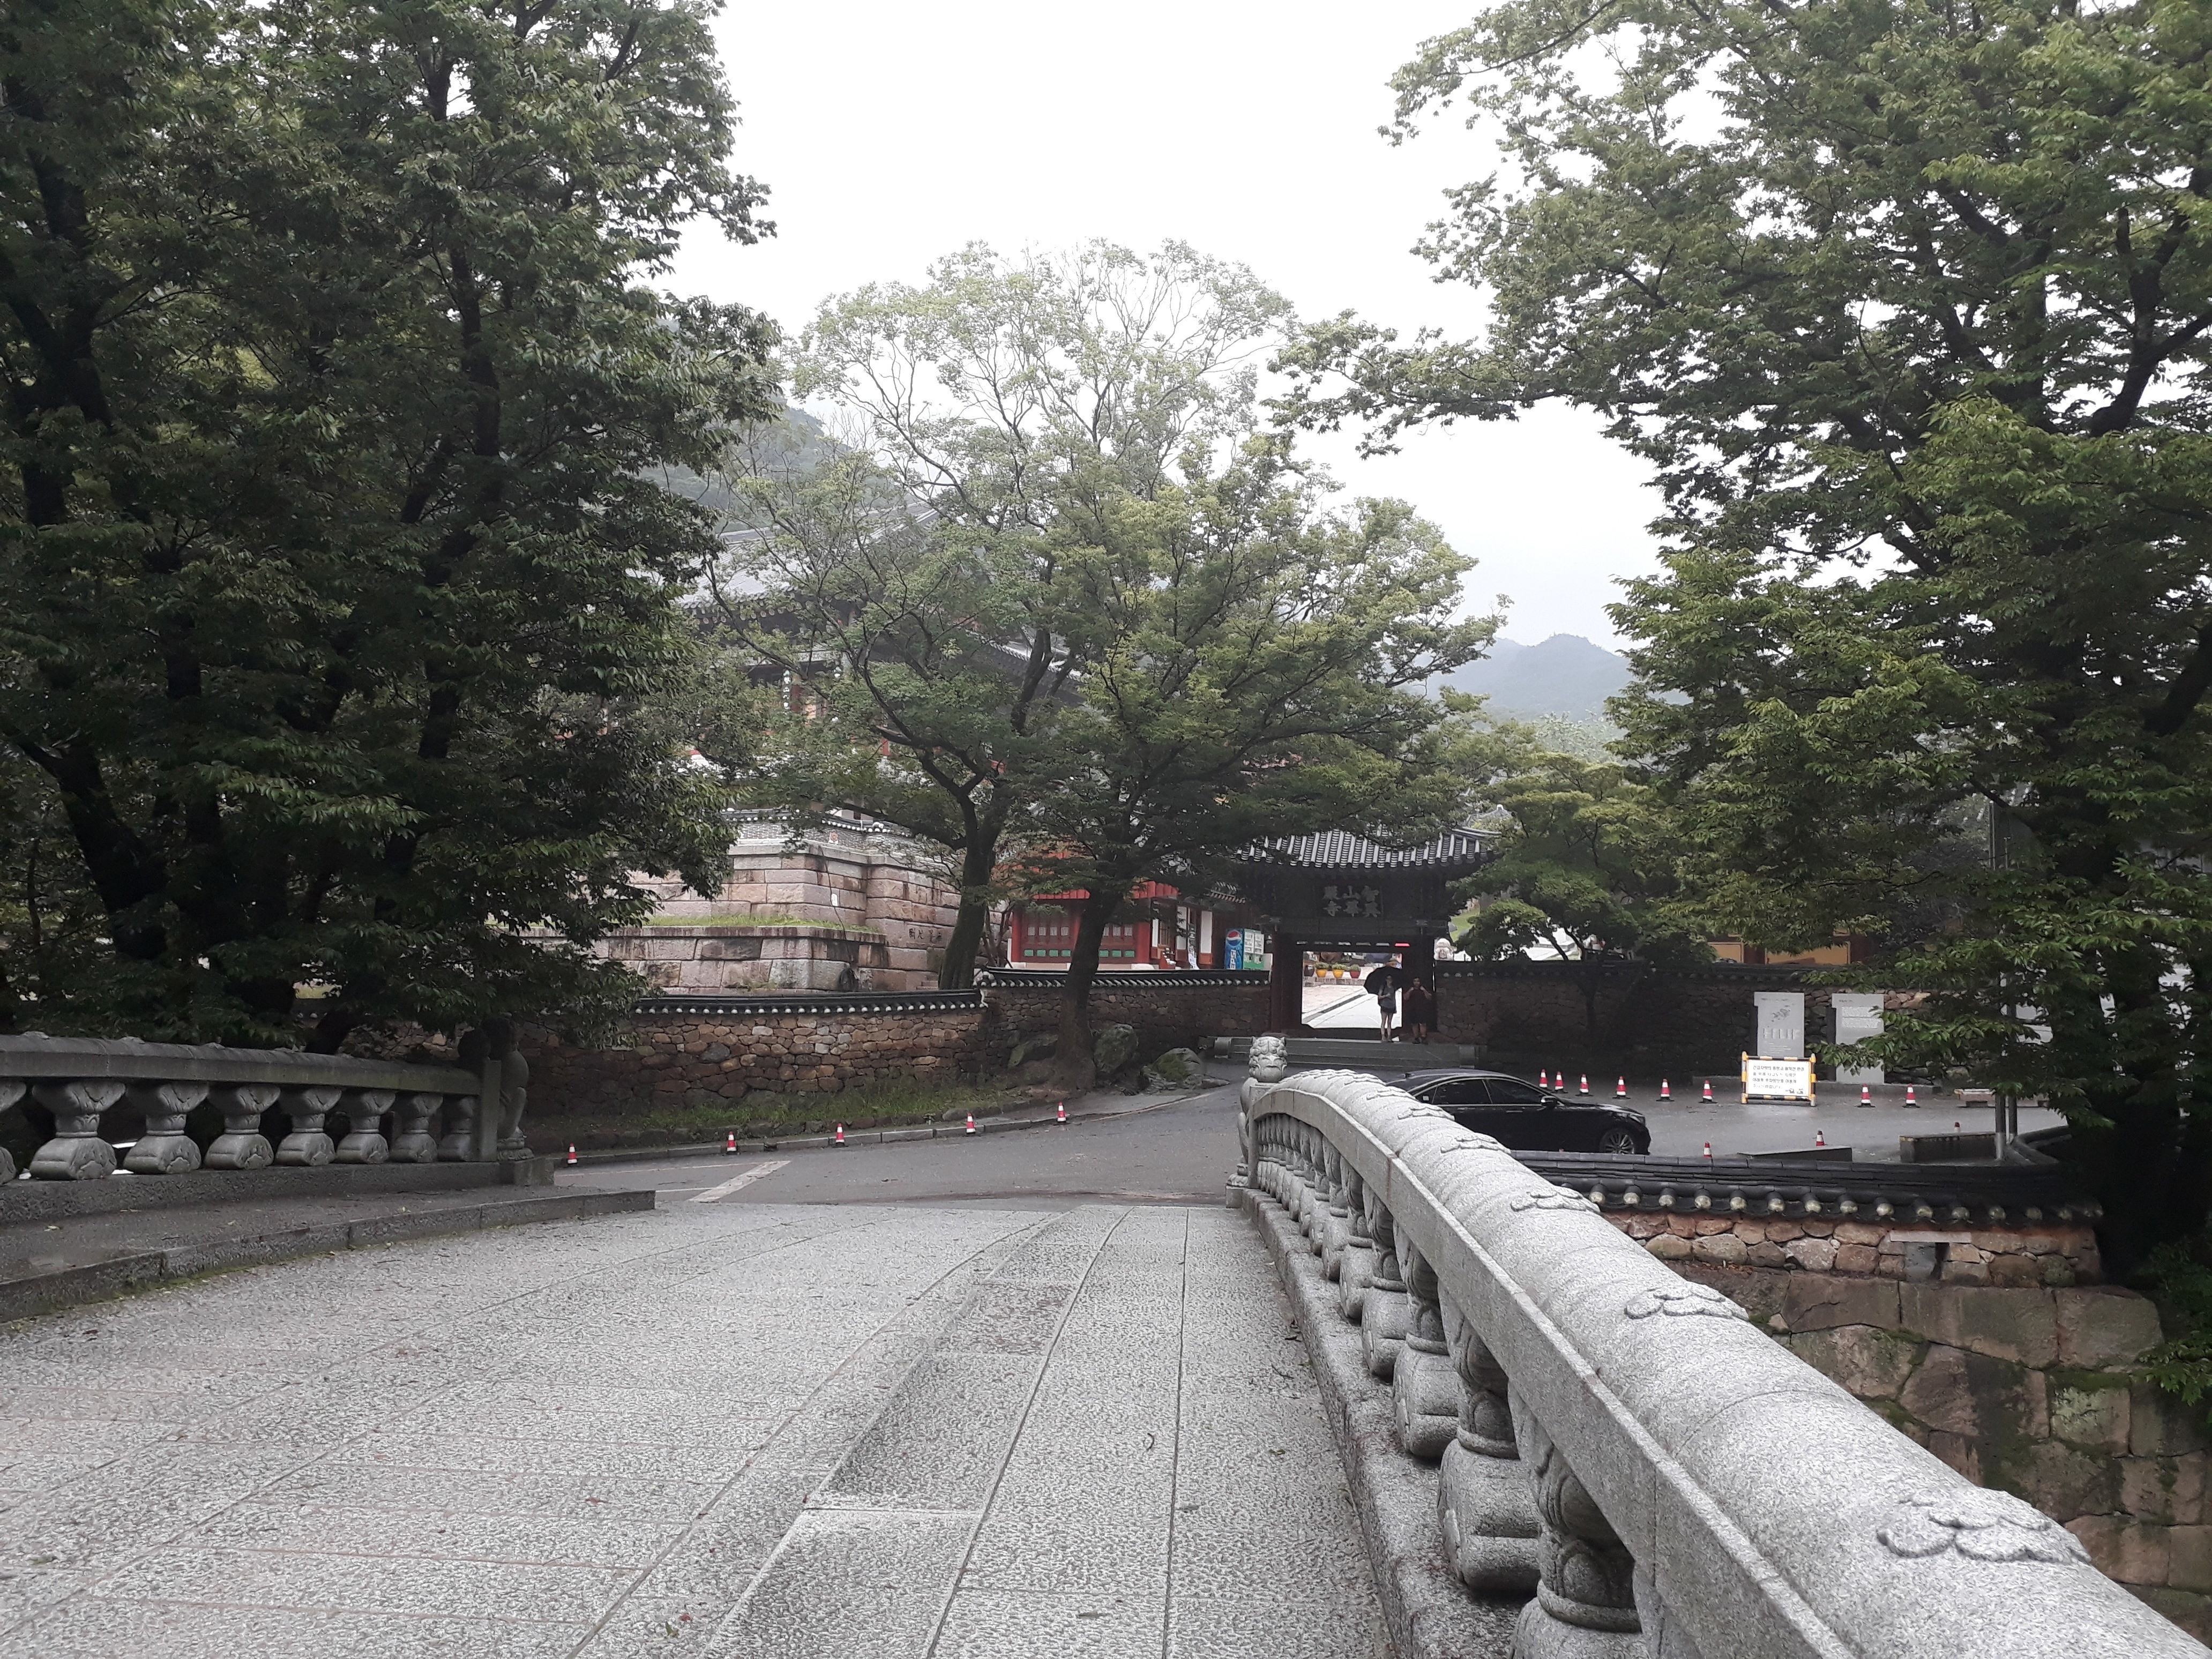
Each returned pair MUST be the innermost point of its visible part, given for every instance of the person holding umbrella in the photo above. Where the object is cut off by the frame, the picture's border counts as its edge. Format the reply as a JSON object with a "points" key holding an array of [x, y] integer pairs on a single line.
{"points": [[1382, 985]]}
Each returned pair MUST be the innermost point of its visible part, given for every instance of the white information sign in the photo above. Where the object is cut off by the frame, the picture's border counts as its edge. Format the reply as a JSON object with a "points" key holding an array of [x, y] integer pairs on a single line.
{"points": [[1858, 1016], [1777, 1079]]}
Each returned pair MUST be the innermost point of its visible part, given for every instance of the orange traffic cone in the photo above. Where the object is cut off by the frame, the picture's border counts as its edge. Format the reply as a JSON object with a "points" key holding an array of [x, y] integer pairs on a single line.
{"points": [[1543, 1079], [840, 1136], [1866, 1095], [971, 1123], [572, 1153], [730, 1145], [1708, 1151], [1060, 1116], [1709, 1089], [1620, 1088], [1585, 1088], [1665, 1092], [1911, 1097], [1818, 1139]]}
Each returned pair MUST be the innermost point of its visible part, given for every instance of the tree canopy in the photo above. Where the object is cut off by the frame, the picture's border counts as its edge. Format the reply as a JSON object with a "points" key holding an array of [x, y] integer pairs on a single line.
{"points": [[330, 556], [1252, 657], [915, 583], [1587, 866], [1911, 308]]}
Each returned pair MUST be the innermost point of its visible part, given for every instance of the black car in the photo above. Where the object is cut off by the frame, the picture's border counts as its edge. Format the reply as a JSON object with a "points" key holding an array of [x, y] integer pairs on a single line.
{"points": [[1529, 1119]]}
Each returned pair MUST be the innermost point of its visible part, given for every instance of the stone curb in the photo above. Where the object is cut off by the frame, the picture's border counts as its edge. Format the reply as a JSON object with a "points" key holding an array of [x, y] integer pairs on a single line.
{"points": [[984, 1126], [69, 1287], [1431, 1614]]}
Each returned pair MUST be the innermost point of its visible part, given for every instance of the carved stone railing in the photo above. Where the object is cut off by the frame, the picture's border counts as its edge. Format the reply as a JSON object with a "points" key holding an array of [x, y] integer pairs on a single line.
{"points": [[1621, 1446], [99, 1087]]}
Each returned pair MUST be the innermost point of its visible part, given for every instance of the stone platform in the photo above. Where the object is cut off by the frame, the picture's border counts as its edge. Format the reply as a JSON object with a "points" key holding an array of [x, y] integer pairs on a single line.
{"points": [[857, 1432]]}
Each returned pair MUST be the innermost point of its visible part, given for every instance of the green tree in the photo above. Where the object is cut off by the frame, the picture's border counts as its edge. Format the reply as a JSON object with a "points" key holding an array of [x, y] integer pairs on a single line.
{"points": [[1250, 661], [1910, 308], [1586, 864], [329, 560], [912, 586]]}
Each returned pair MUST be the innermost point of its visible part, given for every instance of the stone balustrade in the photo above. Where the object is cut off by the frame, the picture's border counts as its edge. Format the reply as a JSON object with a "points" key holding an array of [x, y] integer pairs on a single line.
{"points": [[1623, 1448], [121, 1104]]}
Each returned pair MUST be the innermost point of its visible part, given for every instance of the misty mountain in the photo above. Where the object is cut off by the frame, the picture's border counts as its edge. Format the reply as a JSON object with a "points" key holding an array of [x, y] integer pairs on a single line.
{"points": [[1565, 675]]}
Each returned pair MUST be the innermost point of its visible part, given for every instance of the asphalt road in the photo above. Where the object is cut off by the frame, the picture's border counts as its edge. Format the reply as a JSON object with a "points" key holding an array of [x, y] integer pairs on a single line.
{"points": [[1183, 1152]]}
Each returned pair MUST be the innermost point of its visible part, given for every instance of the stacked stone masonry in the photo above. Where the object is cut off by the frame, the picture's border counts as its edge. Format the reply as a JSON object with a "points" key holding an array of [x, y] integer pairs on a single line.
{"points": [[2040, 1392], [705, 1059], [1168, 1011], [848, 905], [2054, 1255]]}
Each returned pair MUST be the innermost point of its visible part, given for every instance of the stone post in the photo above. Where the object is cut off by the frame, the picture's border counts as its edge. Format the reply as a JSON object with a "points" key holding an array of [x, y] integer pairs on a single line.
{"points": [[1423, 1388], [1329, 1237], [1483, 1500], [163, 1146], [364, 1141], [241, 1145], [458, 1144], [308, 1146], [1357, 1270], [414, 1143], [1585, 1602], [12, 1089], [1385, 1312], [514, 1097], [77, 1152]]}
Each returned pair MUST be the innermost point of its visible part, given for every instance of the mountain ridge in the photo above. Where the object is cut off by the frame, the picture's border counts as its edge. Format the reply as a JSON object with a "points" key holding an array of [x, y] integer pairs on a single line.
{"points": [[1566, 675]]}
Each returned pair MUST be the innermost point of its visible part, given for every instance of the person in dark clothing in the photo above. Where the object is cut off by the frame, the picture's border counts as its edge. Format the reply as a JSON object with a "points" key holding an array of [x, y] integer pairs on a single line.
{"points": [[1382, 985], [1420, 1011]]}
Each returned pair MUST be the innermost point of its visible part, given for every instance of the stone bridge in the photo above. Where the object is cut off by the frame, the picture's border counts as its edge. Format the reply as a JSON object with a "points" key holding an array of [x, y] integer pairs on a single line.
{"points": [[1415, 1399]]}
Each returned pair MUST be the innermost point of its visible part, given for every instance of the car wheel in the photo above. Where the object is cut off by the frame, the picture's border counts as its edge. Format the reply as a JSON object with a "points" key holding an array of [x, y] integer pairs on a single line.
{"points": [[1617, 1141]]}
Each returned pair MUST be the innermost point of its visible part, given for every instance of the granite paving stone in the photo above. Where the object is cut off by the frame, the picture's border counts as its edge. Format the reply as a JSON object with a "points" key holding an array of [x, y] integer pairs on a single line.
{"points": [[771, 1431]]}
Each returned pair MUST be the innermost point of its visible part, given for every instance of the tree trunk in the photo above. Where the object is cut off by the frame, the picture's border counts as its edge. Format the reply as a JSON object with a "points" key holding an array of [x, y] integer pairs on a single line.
{"points": [[978, 861], [1074, 1068]]}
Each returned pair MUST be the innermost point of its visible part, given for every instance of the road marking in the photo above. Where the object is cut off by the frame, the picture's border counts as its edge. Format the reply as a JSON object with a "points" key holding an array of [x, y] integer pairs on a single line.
{"points": [[745, 1178]]}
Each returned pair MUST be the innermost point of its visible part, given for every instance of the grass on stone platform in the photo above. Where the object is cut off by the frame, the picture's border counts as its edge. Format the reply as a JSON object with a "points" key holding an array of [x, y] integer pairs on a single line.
{"points": [[884, 1105]]}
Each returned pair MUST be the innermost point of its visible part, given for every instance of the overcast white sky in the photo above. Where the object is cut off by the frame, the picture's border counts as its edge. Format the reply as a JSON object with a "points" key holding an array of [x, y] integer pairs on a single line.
{"points": [[891, 133]]}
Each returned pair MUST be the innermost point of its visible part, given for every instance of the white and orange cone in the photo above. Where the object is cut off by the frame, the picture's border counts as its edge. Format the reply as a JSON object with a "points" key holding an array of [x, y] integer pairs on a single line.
{"points": [[1866, 1095], [1665, 1091], [1819, 1139], [1708, 1151], [1585, 1088], [840, 1136], [1620, 1088], [1911, 1096], [1543, 1079], [1060, 1116], [730, 1146], [971, 1123], [1709, 1089], [572, 1154]]}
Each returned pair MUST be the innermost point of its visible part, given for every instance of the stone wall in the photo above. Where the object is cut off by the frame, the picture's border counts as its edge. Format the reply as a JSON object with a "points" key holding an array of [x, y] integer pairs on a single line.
{"points": [[699, 1058], [2039, 1392], [876, 906], [1681, 1022], [712, 956], [1169, 1010], [2053, 1254]]}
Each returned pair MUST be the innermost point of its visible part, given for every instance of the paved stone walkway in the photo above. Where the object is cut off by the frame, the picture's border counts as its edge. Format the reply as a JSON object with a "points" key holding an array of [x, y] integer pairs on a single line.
{"points": [[730, 1430]]}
